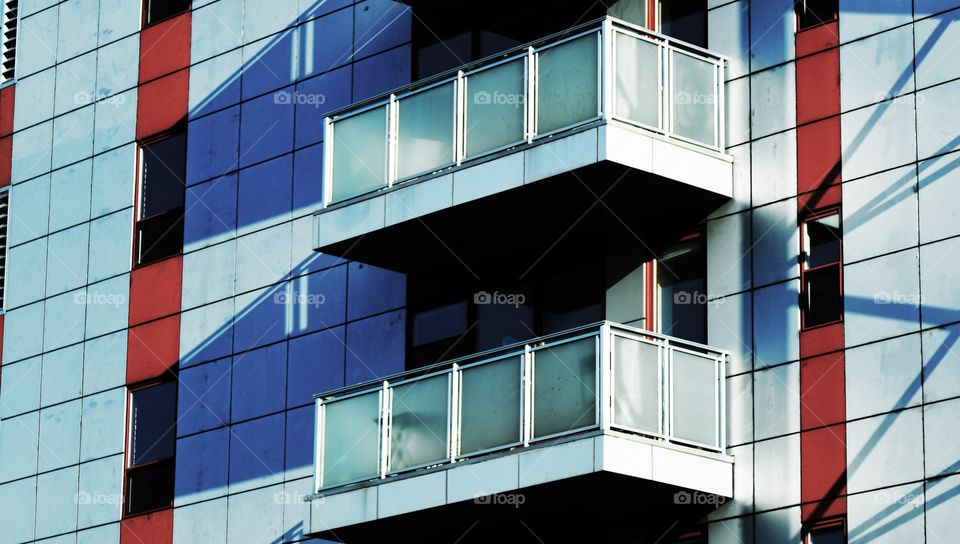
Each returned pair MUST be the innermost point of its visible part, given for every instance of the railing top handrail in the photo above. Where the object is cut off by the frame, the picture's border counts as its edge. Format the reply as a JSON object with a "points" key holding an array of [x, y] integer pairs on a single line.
{"points": [[597, 327], [518, 52]]}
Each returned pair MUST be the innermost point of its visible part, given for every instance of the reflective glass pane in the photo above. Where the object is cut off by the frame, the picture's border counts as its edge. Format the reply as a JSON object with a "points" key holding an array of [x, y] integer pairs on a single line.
{"points": [[568, 84], [351, 433], [153, 427], [425, 131], [694, 398], [495, 107], [564, 390], [490, 405], [637, 86], [636, 387], [823, 240], [693, 98], [360, 154], [418, 432]]}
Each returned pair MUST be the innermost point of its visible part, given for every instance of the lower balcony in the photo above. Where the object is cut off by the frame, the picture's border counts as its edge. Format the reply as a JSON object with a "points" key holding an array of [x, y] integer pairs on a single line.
{"points": [[605, 422]]}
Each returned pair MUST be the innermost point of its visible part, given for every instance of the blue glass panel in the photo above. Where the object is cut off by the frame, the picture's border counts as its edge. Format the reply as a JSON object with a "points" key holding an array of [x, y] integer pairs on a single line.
{"points": [[256, 457], [265, 192], [202, 464], [259, 379], [210, 214], [212, 144], [203, 399], [315, 365], [266, 128]]}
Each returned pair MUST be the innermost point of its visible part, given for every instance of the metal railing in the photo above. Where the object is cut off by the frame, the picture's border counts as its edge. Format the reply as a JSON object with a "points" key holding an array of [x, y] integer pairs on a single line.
{"points": [[604, 376], [606, 69]]}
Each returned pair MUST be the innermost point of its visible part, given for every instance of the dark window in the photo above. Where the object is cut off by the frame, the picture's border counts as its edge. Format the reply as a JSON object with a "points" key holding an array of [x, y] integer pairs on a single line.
{"points": [[160, 213], [158, 10], [814, 12], [685, 20], [682, 281], [831, 532], [4, 214], [153, 431], [822, 296]]}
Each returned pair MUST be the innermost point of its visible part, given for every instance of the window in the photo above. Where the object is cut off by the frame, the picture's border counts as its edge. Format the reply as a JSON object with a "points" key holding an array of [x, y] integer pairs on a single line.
{"points": [[152, 447], [8, 47], [821, 283], [685, 20], [681, 275], [161, 191], [827, 532], [4, 214], [158, 10], [811, 13]]}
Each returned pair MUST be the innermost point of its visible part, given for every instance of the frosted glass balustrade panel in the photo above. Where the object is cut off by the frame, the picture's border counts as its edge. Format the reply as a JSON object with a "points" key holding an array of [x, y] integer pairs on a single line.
{"points": [[360, 154], [419, 423], [636, 384], [351, 434], [425, 131], [637, 80], [568, 82], [495, 108], [490, 405], [694, 398], [564, 390], [693, 98]]}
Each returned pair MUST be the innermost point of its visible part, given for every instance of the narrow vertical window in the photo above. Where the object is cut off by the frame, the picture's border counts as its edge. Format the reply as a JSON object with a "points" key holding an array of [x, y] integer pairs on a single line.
{"points": [[160, 198], [821, 283], [682, 284], [827, 532], [152, 447], [4, 215], [158, 10], [811, 13], [8, 46]]}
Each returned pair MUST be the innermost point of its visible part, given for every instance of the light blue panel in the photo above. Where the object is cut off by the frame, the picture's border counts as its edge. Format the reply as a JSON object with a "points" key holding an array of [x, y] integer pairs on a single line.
{"points": [[380, 25], [20, 388], [265, 194], [264, 17], [255, 458], [922, 8], [59, 436], [381, 73], [737, 99], [203, 398], [883, 376], [18, 446], [876, 69], [67, 259], [110, 243], [296, 511], [299, 443], [941, 375], [29, 210], [859, 18], [773, 100], [212, 32], [310, 9], [776, 242], [259, 382], [33, 42], [63, 321], [938, 112], [303, 259], [888, 515], [108, 306], [315, 365], [114, 174], [73, 137], [315, 97], [938, 276], [776, 401], [201, 522], [106, 363], [117, 66], [266, 128], [316, 301], [57, 492], [728, 33], [375, 347], [262, 317], [208, 274], [68, 538], [885, 450], [326, 43], [202, 463], [20, 338], [778, 526], [940, 424], [118, 19], [374, 290], [70, 195], [104, 534], [62, 375], [102, 424], [776, 336], [307, 180], [269, 64], [206, 333], [210, 213], [777, 464], [877, 138], [19, 500], [774, 168], [78, 28], [212, 144], [881, 297], [936, 39], [256, 513], [879, 214], [263, 258], [32, 151], [116, 121], [26, 267], [772, 24], [101, 491], [36, 101], [729, 246], [29, 7], [214, 83], [76, 83]]}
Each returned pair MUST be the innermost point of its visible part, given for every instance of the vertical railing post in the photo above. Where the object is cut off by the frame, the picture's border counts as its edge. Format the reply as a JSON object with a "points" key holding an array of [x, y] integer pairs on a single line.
{"points": [[385, 411], [453, 444], [605, 375], [327, 180], [722, 419], [721, 104], [530, 101], [318, 446], [460, 119], [393, 125], [527, 395], [607, 52]]}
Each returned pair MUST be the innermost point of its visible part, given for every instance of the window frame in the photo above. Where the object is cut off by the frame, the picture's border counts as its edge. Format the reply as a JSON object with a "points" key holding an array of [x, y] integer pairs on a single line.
{"points": [[128, 468], [156, 217], [825, 524], [804, 258], [799, 6], [145, 21]]}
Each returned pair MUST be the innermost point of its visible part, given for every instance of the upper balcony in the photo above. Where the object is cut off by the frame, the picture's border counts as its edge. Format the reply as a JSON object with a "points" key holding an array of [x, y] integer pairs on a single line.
{"points": [[602, 421], [606, 111]]}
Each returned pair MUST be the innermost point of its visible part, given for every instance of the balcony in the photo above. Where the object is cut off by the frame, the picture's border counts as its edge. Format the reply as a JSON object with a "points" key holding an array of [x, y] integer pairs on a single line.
{"points": [[604, 112], [584, 418]]}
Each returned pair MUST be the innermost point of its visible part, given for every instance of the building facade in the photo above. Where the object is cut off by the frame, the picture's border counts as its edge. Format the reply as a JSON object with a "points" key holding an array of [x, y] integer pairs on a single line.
{"points": [[197, 276]]}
